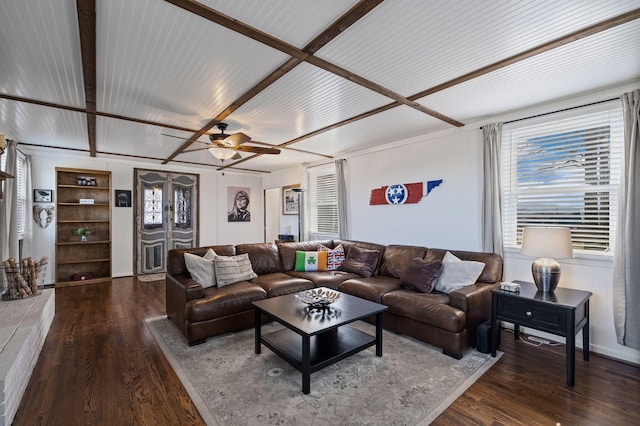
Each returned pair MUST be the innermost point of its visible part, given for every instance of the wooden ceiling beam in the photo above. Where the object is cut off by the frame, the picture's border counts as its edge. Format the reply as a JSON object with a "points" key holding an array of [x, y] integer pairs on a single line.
{"points": [[86, 10], [301, 55], [561, 41], [334, 30]]}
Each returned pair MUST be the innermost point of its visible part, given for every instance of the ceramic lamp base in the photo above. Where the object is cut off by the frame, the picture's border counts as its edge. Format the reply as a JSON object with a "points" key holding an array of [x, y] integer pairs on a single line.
{"points": [[546, 274]]}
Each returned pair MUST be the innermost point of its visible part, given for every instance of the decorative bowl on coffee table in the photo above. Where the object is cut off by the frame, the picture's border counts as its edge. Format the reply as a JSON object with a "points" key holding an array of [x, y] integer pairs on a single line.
{"points": [[318, 298]]}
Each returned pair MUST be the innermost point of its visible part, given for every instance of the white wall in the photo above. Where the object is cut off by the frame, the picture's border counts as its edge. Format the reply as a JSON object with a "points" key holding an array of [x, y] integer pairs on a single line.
{"points": [[448, 217], [214, 229]]}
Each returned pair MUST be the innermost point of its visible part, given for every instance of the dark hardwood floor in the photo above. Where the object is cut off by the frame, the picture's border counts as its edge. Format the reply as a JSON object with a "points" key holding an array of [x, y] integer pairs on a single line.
{"points": [[100, 365]]}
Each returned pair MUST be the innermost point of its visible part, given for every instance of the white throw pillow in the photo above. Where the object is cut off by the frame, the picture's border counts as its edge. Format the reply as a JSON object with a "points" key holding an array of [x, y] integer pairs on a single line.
{"points": [[457, 273], [202, 268], [232, 269]]}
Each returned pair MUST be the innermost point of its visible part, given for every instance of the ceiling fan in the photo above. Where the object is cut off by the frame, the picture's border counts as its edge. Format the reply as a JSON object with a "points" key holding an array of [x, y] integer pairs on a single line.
{"points": [[224, 146], [221, 142]]}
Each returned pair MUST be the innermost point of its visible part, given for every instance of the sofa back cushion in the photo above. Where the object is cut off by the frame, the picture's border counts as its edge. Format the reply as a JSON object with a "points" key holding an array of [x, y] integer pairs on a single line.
{"points": [[175, 258], [396, 258], [347, 244], [264, 257], [492, 272], [288, 251]]}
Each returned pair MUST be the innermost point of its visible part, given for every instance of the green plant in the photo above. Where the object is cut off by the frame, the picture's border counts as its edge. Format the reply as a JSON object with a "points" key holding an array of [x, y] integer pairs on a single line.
{"points": [[83, 231]]}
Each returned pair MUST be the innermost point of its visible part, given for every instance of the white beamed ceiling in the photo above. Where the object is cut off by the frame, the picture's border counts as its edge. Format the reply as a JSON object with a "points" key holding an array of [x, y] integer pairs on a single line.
{"points": [[158, 62]]}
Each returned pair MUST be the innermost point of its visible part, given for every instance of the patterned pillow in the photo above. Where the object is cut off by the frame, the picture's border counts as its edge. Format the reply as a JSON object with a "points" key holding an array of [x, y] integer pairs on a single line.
{"points": [[233, 269], [309, 261], [335, 257]]}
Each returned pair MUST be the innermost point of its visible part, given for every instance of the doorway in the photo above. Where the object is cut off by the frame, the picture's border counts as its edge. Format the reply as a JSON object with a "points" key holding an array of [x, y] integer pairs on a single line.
{"points": [[166, 216], [271, 214]]}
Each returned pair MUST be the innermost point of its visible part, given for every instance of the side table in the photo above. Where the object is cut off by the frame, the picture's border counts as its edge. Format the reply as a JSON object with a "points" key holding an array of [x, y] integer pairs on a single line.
{"points": [[564, 313]]}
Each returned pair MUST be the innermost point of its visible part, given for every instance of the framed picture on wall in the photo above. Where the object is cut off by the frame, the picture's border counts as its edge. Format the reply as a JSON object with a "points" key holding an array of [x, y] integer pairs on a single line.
{"points": [[123, 198], [290, 200], [238, 204], [43, 195]]}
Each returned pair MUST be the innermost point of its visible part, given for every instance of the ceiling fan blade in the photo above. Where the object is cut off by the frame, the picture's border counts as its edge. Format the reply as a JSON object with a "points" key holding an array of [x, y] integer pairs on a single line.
{"points": [[236, 139], [236, 157], [257, 149]]}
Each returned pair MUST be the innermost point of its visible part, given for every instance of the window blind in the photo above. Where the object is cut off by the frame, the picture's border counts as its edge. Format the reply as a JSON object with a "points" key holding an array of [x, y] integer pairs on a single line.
{"points": [[564, 170], [22, 194], [323, 201]]}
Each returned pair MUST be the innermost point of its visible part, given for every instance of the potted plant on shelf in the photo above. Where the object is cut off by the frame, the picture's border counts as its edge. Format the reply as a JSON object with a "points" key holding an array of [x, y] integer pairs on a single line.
{"points": [[84, 231]]}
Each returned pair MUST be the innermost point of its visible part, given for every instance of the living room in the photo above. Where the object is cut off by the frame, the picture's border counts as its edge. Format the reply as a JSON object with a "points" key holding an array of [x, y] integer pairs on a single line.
{"points": [[450, 216]]}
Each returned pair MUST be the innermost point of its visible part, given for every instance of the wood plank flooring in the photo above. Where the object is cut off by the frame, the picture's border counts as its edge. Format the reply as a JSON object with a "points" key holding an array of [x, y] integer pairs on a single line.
{"points": [[100, 365]]}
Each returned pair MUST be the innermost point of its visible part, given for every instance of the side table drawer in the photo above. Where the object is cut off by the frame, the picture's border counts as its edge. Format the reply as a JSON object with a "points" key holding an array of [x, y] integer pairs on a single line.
{"points": [[545, 318]]}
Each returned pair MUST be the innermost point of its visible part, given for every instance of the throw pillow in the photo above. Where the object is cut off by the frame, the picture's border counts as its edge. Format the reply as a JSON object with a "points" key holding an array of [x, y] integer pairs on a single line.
{"points": [[360, 261], [457, 273], [421, 275], [308, 261], [202, 269], [233, 269], [335, 257]]}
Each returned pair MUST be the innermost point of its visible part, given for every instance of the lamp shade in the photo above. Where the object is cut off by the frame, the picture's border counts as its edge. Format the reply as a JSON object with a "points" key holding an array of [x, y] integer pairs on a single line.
{"points": [[551, 242]]}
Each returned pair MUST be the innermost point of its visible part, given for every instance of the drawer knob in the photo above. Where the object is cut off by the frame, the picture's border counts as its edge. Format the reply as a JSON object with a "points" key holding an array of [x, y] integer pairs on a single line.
{"points": [[529, 313]]}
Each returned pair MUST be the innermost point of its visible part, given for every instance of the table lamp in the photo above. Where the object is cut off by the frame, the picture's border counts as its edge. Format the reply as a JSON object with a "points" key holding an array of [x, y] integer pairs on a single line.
{"points": [[546, 243]]}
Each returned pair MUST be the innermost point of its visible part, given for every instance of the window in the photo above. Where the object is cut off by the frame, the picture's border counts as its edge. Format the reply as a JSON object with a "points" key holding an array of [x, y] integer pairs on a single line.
{"points": [[564, 170], [21, 198], [323, 202]]}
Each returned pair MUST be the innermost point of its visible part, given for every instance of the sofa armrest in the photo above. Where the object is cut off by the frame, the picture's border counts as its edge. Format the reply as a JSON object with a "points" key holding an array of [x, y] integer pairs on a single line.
{"points": [[179, 289], [475, 301]]}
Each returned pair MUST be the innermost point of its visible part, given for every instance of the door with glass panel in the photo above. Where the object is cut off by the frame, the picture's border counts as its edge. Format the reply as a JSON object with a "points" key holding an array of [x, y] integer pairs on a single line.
{"points": [[166, 215]]}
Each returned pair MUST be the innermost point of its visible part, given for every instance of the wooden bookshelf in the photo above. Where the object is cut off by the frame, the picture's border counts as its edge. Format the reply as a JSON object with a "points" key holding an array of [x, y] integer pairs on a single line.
{"points": [[74, 256]]}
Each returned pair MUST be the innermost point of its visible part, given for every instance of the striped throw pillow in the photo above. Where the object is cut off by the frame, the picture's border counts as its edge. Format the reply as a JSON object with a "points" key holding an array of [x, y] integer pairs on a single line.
{"points": [[233, 269]]}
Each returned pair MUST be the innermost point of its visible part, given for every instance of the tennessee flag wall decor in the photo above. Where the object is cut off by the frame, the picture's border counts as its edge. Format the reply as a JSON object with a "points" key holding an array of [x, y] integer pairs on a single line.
{"points": [[402, 193]]}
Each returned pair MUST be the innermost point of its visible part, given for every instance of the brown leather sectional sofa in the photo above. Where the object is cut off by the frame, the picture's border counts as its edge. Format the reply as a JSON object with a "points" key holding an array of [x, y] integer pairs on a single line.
{"points": [[448, 321]]}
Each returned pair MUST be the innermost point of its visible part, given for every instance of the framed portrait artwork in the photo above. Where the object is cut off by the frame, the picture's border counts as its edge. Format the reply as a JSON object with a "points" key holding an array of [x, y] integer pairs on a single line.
{"points": [[43, 195], [290, 200], [238, 204], [123, 198]]}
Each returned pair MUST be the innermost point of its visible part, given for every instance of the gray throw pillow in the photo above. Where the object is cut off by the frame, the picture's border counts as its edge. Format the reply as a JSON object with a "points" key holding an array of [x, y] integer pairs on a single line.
{"points": [[360, 261], [421, 275], [457, 273], [202, 269]]}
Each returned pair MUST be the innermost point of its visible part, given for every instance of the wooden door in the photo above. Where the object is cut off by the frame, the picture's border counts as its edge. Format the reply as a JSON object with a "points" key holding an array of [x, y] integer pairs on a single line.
{"points": [[166, 212]]}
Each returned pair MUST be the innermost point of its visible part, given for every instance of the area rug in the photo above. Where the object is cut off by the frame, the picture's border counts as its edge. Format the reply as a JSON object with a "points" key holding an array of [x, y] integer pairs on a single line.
{"points": [[411, 384]]}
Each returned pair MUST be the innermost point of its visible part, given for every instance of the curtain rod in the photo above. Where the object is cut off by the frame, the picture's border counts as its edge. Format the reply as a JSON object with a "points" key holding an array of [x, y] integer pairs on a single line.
{"points": [[560, 110]]}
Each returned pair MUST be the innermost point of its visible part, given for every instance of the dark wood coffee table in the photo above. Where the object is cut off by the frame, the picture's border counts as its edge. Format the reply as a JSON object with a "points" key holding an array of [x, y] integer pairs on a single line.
{"points": [[314, 339]]}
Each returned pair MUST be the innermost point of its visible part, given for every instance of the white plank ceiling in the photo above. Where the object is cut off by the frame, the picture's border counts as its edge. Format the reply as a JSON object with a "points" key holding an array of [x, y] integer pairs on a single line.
{"points": [[165, 72]]}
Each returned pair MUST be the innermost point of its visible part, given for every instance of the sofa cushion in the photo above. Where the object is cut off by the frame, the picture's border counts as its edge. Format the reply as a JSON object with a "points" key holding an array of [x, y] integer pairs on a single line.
{"points": [[457, 273], [311, 261], [175, 258], [264, 257], [492, 272], [330, 279], [202, 268], [372, 288], [348, 244], [279, 283], [288, 250], [233, 269], [421, 275], [218, 302], [360, 261], [427, 308], [396, 258]]}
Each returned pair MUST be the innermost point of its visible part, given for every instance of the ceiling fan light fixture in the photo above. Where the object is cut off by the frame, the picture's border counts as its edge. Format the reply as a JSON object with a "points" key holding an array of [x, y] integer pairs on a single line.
{"points": [[221, 153]]}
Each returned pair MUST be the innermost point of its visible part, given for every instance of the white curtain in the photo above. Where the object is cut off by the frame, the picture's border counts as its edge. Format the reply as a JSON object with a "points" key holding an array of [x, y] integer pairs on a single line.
{"points": [[27, 239], [9, 207], [492, 196], [343, 222], [626, 260]]}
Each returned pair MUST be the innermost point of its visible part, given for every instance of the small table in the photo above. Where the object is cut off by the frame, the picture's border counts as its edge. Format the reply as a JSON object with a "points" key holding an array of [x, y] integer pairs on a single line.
{"points": [[564, 313], [314, 339]]}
